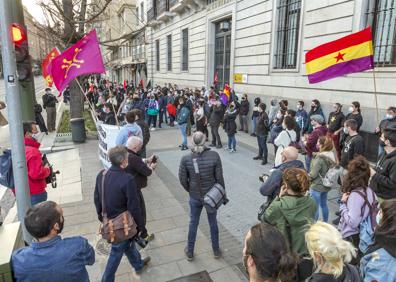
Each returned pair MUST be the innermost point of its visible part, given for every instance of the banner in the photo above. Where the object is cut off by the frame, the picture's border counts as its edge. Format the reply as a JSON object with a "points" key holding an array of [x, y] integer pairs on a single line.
{"points": [[107, 135]]}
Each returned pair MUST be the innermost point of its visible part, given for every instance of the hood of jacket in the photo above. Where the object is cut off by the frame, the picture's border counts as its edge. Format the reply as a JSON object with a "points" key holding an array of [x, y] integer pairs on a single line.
{"points": [[327, 156], [296, 209]]}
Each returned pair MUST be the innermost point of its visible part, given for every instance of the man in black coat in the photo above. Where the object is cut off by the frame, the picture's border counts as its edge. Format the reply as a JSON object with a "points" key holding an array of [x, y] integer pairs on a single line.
{"points": [[140, 169], [243, 112], [216, 117], [49, 104], [197, 181], [120, 195]]}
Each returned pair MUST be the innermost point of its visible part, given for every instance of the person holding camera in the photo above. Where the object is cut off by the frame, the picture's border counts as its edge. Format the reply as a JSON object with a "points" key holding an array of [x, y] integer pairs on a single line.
{"points": [[198, 173], [140, 169], [36, 170], [272, 184]]}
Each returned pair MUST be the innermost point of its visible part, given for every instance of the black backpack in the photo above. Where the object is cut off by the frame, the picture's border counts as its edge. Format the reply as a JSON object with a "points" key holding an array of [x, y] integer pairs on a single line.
{"points": [[6, 174]]}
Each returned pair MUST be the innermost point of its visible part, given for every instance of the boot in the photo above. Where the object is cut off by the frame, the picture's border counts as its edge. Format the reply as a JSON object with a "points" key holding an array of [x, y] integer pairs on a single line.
{"points": [[264, 162]]}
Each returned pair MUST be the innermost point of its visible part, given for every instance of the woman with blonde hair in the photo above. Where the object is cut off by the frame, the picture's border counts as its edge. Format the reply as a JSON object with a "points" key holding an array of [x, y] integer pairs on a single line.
{"points": [[320, 165], [331, 254]]}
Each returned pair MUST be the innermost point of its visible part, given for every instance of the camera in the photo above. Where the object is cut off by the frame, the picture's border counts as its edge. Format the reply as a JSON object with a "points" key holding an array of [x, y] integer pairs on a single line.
{"points": [[264, 177], [141, 242], [52, 177]]}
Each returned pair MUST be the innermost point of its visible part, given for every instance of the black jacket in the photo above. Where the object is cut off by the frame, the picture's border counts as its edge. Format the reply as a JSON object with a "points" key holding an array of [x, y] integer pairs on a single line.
{"points": [[110, 118], [383, 182], [349, 274], [353, 147], [216, 115], [120, 195], [210, 171], [262, 124], [49, 100], [358, 117], [230, 126], [244, 108], [145, 130], [138, 169]]}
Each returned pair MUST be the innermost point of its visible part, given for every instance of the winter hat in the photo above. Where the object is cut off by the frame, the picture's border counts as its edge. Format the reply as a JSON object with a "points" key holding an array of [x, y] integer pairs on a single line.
{"points": [[318, 118]]}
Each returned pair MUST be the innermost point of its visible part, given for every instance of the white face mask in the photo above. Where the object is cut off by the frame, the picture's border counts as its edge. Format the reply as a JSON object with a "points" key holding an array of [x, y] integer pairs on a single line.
{"points": [[388, 116], [278, 115], [350, 109], [35, 136]]}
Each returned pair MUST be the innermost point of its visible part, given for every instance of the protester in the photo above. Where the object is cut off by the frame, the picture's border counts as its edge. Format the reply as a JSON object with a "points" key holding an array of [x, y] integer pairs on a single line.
{"points": [[335, 125], [321, 163], [316, 109], [331, 254], [266, 255], [51, 257], [274, 109], [49, 104], [36, 171], [139, 120], [383, 176], [137, 103], [317, 122], [287, 136], [262, 129], [354, 202], [39, 118], [354, 143], [140, 169], [109, 115], [123, 197], [230, 126], [272, 186], [354, 113], [183, 115], [125, 106], [152, 112], [197, 181], [112, 100], [255, 114], [131, 128], [162, 102], [201, 118], [301, 115], [379, 262], [296, 127], [243, 114], [216, 116], [292, 210]]}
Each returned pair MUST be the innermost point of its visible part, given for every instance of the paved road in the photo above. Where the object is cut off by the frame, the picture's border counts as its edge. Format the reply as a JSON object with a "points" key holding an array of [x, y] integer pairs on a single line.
{"points": [[39, 85]]}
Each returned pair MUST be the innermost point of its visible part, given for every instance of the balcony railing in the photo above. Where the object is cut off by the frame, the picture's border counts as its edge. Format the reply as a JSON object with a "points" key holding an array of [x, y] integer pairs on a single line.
{"points": [[151, 14]]}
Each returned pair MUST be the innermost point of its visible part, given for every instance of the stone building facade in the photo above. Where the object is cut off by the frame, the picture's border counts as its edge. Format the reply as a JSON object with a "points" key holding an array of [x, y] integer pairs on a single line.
{"points": [[258, 47]]}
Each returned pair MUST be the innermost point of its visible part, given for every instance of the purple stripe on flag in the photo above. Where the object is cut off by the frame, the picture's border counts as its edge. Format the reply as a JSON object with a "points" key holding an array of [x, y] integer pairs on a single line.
{"points": [[357, 65]]}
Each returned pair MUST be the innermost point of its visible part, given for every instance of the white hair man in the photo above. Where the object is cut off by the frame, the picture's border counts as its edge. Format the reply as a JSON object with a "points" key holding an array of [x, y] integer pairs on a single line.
{"points": [[140, 169]]}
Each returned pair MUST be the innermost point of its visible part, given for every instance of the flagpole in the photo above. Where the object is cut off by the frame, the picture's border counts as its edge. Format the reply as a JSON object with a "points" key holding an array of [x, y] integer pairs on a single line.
{"points": [[115, 114], [89, 103], [376, 97]]}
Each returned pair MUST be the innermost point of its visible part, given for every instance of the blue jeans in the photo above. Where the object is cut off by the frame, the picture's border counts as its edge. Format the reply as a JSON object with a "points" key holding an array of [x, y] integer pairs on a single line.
{"points": [[321, 203], [128, 248], [308, 160], [231, 142], [38, 198], [183, 130], [195, 212], [262, 144], [254, 123]]}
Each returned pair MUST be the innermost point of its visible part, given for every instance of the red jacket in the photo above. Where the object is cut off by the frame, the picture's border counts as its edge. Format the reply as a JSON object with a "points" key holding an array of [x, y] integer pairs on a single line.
{"points": [[36, 171], [313, 139]]}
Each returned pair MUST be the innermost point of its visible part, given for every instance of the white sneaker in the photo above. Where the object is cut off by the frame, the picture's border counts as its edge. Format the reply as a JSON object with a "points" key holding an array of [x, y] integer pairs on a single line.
{"points": [[227, 149], [232, 151], [152, 129]]}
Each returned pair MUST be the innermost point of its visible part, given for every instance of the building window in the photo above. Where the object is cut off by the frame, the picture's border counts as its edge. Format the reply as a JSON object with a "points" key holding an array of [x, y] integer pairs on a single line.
{"points": [[169, 45], [142, 11], [381, 16], [287, 32], [157, 54], [185, 49]]}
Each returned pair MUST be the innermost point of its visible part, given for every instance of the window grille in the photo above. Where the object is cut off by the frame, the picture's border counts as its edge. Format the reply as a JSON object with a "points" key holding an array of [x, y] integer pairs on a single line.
{"points": [[185, 50], [169, 43], [381, 16], [157, 54], [287, 33]]}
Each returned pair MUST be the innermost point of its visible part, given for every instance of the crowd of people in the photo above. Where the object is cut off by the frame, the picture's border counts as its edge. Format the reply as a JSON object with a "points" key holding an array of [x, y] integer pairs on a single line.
{"points": [[293, 242]]}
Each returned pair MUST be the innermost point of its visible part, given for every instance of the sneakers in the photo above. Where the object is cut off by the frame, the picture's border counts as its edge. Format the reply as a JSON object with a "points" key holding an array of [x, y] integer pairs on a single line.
{"points": [[146, 260], [189, 255], [217, 254], [184, 147], [232, 151], [253, 135], [152, 129], [227, 149], [257, 158]]}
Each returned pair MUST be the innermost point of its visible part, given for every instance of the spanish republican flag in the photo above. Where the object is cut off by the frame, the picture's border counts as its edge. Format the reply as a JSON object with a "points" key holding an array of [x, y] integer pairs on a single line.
{"points": [[352, 53]]}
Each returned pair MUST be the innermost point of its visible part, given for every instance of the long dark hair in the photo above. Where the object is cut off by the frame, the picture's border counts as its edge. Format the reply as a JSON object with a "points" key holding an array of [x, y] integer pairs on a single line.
{"points": [[356, 104], [358, 175], [387, 227]]}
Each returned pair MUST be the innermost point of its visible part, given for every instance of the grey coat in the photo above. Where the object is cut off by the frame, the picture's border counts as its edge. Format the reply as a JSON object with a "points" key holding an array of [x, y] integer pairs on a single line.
{"points": [[210, 171]]}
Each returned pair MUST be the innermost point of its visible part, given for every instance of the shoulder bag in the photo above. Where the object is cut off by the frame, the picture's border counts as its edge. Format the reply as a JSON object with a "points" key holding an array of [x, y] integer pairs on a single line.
{"points": [[118, 229]]}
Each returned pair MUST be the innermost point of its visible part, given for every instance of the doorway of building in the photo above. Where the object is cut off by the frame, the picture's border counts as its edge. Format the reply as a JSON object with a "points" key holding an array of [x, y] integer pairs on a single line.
{"points": [[222, 52]]}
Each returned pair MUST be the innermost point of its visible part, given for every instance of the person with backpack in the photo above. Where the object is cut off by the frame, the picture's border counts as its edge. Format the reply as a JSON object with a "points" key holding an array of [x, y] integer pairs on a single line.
{"points": [[286, 137], [331, 255], [152, 112], [357, 202], [293, 209], [199, 171], [321, 163], [262, 130], [379, 262], [183, 114]]}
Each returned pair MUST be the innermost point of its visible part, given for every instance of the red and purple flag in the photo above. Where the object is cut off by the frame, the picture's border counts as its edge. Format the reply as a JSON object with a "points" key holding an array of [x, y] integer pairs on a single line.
{"points": [[349, 54], [84, 57]]}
